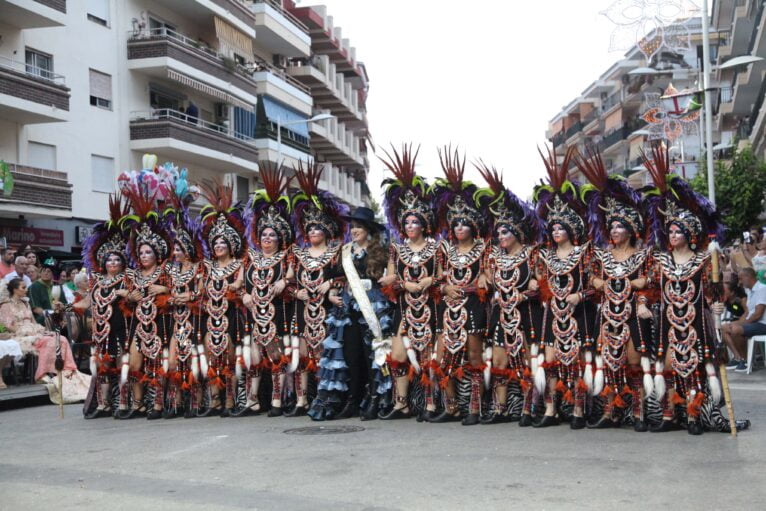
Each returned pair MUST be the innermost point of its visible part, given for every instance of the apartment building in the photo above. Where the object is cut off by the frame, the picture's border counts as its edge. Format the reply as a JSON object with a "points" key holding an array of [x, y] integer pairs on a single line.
{"points": [[608, 114], [86, 88], [741, 116]]}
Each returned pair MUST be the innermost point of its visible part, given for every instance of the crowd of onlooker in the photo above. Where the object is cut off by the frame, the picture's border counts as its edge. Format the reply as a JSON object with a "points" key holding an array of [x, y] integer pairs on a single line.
{"points": [[744, 276], [34, 294]]}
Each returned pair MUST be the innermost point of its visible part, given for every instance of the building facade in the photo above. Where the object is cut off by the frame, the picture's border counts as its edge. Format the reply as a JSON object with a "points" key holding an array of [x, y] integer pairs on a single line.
{"points": [[609, 114], [86, 88]]}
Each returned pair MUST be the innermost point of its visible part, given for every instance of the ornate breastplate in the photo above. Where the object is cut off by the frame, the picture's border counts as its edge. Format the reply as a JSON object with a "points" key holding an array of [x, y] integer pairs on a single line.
{"points": [[461, 270], [509, 282], [264, 271], [146, 332], [182, 281], [416, 311], [311, 277], [103, 300], [217, 286]]}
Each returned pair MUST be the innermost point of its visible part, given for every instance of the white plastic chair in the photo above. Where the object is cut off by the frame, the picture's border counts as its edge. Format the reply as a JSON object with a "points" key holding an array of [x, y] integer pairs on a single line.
{"points": [[751, 348]]}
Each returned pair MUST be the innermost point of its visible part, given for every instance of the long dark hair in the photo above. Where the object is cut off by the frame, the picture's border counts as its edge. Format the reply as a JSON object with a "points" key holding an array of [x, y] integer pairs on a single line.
{"points": [[13, 285], [377, 254]]}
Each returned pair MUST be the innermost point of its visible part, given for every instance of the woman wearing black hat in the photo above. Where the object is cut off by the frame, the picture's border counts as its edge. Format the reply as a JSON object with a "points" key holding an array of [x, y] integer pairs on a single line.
{"points": [[370, 313]]}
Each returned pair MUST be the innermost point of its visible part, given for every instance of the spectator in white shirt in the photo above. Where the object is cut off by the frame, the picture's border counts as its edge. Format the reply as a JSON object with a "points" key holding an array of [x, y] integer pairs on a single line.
{"points": [[21, 264], [735, 334]]}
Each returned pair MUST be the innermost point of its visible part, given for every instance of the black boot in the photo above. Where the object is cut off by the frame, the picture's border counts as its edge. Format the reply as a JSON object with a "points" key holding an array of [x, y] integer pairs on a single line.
{"points": [[639, 425], [371, 410], [694, 428], [577, 423], [351, 409], [525, 421], [275, 411], [471, 419]]}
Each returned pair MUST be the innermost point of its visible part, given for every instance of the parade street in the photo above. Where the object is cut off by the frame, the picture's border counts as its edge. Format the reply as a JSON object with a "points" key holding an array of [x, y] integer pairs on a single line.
{"points": [[251, 463]]}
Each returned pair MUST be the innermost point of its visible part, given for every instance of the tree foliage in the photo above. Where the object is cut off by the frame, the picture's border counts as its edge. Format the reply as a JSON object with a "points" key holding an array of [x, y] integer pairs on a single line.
{"points": [[740, 189]]}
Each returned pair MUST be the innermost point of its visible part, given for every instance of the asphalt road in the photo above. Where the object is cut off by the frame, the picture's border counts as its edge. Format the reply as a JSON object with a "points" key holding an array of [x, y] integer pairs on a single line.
{"points": [[48, 463]]}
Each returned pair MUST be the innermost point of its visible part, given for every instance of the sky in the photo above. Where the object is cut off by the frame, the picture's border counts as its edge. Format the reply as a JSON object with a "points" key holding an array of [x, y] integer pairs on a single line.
{"points": [[486, 75]]}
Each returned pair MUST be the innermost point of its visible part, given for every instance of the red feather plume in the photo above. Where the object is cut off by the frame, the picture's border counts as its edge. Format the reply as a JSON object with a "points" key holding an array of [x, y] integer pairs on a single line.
{"points": [[453, 167], [557, 174], [402, 166]]}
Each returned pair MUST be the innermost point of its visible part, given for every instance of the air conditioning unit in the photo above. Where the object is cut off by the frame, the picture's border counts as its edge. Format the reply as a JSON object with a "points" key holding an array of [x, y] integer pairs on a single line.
{"points": [[221, 111], [280, 61]]}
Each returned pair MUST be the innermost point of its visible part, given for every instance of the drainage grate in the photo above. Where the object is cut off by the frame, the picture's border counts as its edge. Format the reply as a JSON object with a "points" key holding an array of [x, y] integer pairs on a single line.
{"points": [[324, 430]]}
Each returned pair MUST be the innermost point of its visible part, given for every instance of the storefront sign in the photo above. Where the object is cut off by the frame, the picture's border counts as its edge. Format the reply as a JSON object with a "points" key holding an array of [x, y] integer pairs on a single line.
{"points": [[32, 236]]}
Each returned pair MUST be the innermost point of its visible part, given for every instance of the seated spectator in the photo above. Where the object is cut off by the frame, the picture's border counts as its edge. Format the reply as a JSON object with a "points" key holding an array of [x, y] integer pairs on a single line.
{"points": [[753, 322], [41, 296], [33, 273], [7, 255], [16, 317], [21, 265], [734, 299]]}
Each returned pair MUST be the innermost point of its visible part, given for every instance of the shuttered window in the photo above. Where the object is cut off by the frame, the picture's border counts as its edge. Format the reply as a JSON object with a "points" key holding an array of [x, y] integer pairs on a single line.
{"points": [[100, 89], [102, 173], [98, 11]]}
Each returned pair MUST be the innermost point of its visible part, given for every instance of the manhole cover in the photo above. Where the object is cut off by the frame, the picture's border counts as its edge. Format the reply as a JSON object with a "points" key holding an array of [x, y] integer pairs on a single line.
{"points": [[324, 430]]}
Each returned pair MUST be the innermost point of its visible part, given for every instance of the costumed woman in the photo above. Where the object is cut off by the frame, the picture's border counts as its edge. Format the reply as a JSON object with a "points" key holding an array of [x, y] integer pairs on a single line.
{"points": [[569, 313], [104, 256], [370, 316], [186, 277], [516, 314], [620, 274], [686, 351], [145, 360], [319, 281], [224, 282], [410, 281], [462, 314], [268, 275]]}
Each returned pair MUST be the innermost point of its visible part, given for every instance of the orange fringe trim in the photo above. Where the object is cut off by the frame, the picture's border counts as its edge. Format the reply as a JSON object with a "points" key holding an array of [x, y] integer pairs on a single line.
{"points": [[693, 409]]}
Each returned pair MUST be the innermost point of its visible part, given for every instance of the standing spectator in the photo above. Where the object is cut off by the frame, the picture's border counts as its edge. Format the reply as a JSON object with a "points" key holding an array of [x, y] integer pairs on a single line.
{"points": [[7, 255], [32, 259], [735, 334], [20, 264]]}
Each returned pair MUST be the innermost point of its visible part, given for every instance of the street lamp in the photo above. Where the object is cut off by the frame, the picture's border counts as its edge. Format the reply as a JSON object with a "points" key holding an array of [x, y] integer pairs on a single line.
{"points": [[318, 117]]}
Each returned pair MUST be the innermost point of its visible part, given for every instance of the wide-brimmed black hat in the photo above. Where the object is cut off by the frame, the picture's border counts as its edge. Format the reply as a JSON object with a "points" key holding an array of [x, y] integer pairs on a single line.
{"points": [[366, 216]]}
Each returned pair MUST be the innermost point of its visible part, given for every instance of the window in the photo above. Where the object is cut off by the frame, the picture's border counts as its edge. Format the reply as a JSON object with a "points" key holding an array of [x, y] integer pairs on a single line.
{"points": [[243, 189], [100, 89], [41, 156], [39, 64], [160, 27], [98, 12], [102, 173]]}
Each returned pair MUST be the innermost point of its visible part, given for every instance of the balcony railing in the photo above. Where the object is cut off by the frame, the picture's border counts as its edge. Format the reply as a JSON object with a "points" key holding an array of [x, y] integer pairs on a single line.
{"points": [[610, 101], [756, 27], [32, 71], [39, 187], [277, 5], [246, 71], [576, 127], [196, 122]]}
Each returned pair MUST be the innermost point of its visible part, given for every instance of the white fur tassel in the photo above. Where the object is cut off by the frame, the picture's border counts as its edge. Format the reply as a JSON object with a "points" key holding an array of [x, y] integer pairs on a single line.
{"points": [[93, 364], [598, 380], [239, 362], [246, 352], [202, 362], [713, 383], [533, 358], [165, 361], [411, 354], [646, 365], [540, 374], [588, 371], [255, 354], [124, 369], [659, 380], [194, 363], [488, 366], [296, 354]]}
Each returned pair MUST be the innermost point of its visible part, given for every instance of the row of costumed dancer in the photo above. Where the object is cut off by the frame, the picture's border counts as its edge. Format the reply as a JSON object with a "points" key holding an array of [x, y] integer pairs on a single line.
{"points": [[591, 305]]}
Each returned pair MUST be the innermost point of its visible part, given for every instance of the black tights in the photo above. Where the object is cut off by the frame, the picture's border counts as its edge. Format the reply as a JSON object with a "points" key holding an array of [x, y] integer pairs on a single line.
{"points": [[357, 356]]}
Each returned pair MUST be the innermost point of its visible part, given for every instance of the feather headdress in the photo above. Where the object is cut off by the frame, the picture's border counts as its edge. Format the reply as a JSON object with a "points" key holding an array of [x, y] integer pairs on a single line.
{"points": [[608, 199], [453, 196], [222, 218], [108, 237], [406, 193], [270, 207], [558, 201], [312, 206], [672, 201]]}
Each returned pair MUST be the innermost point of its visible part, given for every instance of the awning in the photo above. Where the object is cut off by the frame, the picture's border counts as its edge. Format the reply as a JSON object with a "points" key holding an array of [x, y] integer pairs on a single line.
{"points": [[237, 41], [209, 90], [290, 119]]}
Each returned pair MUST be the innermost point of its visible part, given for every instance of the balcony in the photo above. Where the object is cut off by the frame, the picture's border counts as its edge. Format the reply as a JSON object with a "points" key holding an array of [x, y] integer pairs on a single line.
{"points": [[329, 88], [573, 130], [165, 53], [24, 14], [177, 136], [327, 39], [279, 31], [278, 84], [31, 95], [38, 192], [334, 142]]}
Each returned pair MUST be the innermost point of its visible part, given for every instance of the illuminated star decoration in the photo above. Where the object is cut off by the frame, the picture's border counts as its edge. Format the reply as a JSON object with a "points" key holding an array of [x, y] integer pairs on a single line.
{"points": [[672, 114], [651, 25]]}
